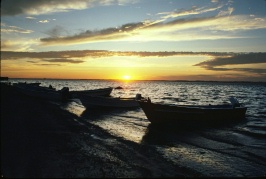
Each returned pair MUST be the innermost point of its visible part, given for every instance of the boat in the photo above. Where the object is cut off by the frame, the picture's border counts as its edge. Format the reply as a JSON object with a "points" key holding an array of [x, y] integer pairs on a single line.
{"points": [[47, 93], [93, 92], [107, 102], [3, 78], [192, 114]]}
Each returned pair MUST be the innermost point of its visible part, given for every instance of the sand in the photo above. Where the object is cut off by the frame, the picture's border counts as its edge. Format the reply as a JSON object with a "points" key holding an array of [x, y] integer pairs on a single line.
{"points": [[38, 139]]}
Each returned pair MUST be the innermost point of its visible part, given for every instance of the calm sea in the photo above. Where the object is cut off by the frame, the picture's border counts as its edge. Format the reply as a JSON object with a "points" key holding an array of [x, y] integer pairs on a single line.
{"points": [[233, 150]]}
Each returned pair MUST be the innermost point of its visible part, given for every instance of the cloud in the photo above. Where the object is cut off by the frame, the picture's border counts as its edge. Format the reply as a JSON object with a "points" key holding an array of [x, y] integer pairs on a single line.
{"points": [[14, 29], [236, 59], [78, 54], [186, 12], [218, 58], [63, 60], [57, 31], [17, 45], [175, 30], [33, 7], [223, 63], [220, 61], [45, 64], [229, 11], [215, 77], [29, 17], [171, 26], [124, 31], [127, 31], [44, 21], [53, 56]]}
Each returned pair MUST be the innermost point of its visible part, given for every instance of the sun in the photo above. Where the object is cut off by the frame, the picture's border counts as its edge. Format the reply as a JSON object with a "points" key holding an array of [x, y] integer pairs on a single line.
{"points": [[126, 77]]}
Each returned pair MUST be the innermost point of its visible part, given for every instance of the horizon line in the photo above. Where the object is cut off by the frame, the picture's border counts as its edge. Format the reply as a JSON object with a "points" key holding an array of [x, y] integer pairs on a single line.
{"points": [[229, 81]]}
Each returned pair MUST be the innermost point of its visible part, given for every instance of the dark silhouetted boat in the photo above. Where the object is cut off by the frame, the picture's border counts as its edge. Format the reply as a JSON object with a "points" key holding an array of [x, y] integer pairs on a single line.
{"points": [[93, 92], [192, 114], [107, 102], [101, 98], [41, 92]]}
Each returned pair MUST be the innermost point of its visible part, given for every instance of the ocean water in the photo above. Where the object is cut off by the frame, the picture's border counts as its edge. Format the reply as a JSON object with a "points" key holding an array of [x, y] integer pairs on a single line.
{"points": [[232, 150]]}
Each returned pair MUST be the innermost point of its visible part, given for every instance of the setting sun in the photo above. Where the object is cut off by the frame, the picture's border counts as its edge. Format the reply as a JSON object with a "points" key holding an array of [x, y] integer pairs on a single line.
{"points": [[126, 77]]}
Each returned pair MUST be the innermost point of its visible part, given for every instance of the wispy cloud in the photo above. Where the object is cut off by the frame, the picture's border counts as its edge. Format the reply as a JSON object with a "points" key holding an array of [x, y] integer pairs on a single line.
{"points": [[228, 11], [56, 32], [56, 57], [44, 21], [49, 64], [186, 12], [170, 31], [170, 26], [78, 54], [13, 29], [162, 30], [29, 17], [33, 7], [63, 60], [124, 31], [17, 45]]}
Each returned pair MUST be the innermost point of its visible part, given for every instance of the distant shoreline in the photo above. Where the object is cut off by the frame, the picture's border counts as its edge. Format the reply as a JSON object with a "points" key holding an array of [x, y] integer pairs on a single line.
{"points": [[211, 81]]}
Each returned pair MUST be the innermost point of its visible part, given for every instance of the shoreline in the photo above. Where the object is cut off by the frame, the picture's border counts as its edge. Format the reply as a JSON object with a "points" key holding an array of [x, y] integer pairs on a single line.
{"points": [[38, 139]]}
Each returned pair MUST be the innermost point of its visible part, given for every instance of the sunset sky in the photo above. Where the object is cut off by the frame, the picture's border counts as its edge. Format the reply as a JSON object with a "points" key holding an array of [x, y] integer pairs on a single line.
{"points": [[134, 39]]}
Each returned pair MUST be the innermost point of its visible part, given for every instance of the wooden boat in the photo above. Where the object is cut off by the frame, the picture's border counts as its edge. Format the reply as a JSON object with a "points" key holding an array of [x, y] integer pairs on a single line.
{"points": [[109, 102], [191, 114], [93, 92], [47, 93]]}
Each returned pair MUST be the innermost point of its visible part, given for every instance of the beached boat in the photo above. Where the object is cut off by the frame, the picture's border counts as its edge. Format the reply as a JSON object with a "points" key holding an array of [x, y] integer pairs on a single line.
{"points": [[47, 93], [192, 114], [109, 102], [93, 92]]}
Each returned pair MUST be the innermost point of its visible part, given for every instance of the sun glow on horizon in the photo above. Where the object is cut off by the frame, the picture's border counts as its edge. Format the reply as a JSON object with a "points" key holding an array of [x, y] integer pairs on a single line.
{"points": [[126, 77]]}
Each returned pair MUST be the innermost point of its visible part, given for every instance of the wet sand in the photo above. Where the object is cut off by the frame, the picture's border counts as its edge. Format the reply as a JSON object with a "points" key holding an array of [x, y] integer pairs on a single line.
{"points": [[38, 139]]}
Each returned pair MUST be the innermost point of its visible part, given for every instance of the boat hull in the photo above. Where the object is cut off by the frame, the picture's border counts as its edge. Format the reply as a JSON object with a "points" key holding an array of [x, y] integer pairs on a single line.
{"points": [[165, 114], [108, 102], [96, 92], [36, 91]]}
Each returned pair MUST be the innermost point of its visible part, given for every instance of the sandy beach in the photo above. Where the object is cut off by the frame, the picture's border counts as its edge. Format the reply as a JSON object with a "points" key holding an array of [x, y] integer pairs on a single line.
{"points": [[38, 139]]}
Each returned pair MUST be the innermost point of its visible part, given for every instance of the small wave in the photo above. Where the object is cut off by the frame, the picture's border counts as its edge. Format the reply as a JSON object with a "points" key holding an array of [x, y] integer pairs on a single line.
{"points": [[194, 99], [262, 112], [170, 98], [252, 132]]}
